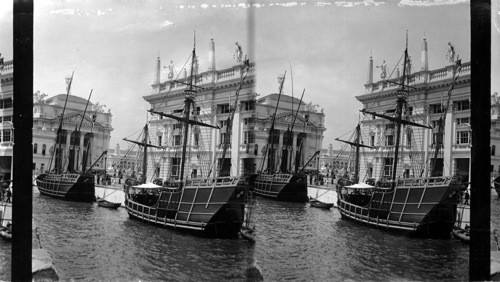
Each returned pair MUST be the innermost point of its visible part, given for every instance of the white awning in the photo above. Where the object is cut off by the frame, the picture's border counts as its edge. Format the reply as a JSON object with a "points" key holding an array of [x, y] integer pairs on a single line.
{"points": [[147, 186], [360, 186]]}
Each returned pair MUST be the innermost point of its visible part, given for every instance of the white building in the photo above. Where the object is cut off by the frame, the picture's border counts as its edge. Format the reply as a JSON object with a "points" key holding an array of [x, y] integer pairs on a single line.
{"points": [[6, 113], [78, 151], [252, 119], [428, 95]]}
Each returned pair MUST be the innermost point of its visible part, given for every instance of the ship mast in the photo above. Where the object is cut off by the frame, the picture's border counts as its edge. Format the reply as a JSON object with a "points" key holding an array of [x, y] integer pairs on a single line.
{"points": [[187, 108], [270, 164], [79, 132], [145, 145], [357, 143], [59, 130]]}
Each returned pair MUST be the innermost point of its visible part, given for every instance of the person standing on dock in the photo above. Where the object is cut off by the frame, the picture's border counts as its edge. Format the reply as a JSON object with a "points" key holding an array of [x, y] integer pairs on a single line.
{"points": [[8, 194], [466, 197]]}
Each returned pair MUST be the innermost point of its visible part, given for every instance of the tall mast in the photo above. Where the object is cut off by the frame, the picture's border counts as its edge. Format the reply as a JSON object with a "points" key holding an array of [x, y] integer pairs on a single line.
{"points": [[356, 168], [145, 152], [187, 108], [59, 130], [401, 95], [270, 164], [79, 132]]}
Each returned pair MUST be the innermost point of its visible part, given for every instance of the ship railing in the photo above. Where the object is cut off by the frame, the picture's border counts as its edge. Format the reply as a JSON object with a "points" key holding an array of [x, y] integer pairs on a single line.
{"points": [[428, 181]]}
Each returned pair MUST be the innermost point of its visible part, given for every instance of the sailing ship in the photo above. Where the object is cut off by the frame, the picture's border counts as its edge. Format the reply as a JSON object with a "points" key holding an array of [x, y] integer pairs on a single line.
{"points": [[281, 185], [423, 206], [210, 206], [61, 183]]}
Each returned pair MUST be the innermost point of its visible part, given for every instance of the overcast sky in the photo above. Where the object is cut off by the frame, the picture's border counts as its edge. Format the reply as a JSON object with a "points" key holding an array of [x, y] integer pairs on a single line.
{"points": [[112, 46]]}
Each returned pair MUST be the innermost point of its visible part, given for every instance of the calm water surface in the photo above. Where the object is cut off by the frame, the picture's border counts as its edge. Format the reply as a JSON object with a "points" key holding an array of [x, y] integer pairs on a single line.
{"points": [[294, 242]]}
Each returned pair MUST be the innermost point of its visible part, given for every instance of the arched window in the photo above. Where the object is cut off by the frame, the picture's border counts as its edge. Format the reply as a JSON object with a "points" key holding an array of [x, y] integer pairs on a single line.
{"points": [[44, 148], [492, 150], [35, 148]]}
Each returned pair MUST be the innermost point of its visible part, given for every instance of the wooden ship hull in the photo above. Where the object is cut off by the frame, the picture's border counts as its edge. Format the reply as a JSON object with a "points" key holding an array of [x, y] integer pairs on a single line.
{"points": [[422, 207], [67, 186], [208, 206], [283, 187]]}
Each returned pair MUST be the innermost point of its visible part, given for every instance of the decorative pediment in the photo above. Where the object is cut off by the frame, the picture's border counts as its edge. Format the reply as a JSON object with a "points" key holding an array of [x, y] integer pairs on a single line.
{"points": [[77, 119]]}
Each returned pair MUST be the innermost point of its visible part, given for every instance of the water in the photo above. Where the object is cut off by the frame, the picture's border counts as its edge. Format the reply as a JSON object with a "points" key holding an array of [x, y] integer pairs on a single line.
{"points": [[294, 242]]}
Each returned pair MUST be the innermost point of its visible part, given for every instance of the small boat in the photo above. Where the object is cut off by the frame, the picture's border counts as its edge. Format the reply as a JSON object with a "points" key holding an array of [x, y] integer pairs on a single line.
{"points": [[318, 204], [107, 204], [461, 234]]}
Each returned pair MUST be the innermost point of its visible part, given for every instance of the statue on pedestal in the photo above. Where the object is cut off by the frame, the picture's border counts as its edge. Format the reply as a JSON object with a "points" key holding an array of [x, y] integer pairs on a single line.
{"points": [[450, 55], [238, 53], [383, 70]]}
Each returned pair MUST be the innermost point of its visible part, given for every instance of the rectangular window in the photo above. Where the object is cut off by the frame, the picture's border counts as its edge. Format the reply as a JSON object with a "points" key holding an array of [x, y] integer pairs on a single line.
{"points": [[372, 140], [176, 166], [7, 103], [7, 118], [196, 139], [224, 108], [391, 111], [159, 140], [6, 135], [249, 105], [389, 140], [463, 120], [178, 111], [462, 105], [248, 137], [223, 123], [177, 126], [177, 140], [248, 121], [389, 126], [435, 108], [196, 111], [463, 137], [388, 165]]}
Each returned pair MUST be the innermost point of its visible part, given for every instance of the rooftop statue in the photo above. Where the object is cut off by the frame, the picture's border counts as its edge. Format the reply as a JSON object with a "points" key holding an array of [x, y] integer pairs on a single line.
{"points": [[383, 70], [98, 108], [238, 53], [450, 55], [39, 97]]}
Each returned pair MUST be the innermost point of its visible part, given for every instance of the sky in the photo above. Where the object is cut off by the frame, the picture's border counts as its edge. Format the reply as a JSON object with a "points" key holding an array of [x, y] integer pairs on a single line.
{"points": [[112, 47]]}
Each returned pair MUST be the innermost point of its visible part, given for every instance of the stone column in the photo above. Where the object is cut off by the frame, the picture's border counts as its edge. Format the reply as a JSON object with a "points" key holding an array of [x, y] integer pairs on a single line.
{"points": [[449, 136], [235, 142], [80, 152], [294, 151]]}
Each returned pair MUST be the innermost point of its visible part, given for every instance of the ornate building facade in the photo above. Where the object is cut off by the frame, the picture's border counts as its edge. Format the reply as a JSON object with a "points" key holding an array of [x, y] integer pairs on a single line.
{"points": [[6, 114], [495, 135], [77, 152], [214, 99], [427, 100]]}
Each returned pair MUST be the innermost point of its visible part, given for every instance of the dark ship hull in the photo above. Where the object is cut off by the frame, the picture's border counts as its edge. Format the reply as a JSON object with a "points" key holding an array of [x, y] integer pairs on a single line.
{"points": [[282, 187], [207, 206], [67, 186], [421, 207]]}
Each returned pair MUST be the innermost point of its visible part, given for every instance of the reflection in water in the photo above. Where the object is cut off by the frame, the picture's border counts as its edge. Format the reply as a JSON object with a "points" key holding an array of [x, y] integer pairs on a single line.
{"points": [[294, 242]]}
